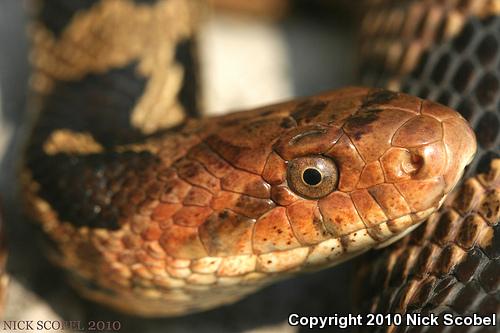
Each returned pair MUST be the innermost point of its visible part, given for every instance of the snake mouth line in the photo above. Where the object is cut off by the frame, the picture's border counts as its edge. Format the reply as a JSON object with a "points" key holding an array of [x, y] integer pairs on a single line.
{"points": [[362, 240]]}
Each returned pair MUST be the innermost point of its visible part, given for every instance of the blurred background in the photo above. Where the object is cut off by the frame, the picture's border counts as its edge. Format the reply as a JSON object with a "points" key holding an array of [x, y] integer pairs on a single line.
{"points": [[257, 53]]}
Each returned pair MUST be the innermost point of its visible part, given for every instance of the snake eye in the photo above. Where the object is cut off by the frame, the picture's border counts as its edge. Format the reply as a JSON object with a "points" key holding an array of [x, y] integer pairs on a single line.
{"points": [[312, 177]]}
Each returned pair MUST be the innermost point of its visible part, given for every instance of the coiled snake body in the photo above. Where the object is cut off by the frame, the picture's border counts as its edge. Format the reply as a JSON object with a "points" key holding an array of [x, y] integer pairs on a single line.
{"points": [[159, 220]]}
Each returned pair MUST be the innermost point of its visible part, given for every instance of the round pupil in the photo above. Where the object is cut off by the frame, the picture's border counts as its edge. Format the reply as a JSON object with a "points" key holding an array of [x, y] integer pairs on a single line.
{"points": [[311, 177]]}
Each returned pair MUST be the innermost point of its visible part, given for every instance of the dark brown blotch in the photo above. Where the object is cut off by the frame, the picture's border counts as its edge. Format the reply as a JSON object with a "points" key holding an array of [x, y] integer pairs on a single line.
{"points": [[360, 122], [253, 207], [288, 123], [308, 110], [227, 233], [56, 15], [364, 117], [468, 232], [101, 105], [379, 97], [84, 191]]}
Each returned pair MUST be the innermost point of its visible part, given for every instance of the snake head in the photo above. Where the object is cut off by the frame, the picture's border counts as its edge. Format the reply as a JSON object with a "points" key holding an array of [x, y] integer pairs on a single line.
{"points": [[337, 173], [366, 166], [314, 181]]}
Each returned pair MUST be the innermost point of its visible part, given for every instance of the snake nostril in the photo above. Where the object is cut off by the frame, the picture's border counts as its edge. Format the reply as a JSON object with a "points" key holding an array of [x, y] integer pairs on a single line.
{"points": [[413, 164]]}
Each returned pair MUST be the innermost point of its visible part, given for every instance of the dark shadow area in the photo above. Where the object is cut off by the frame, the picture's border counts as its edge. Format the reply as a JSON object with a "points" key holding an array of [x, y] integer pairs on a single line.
{"points": [[14, 71], [321, 44]]}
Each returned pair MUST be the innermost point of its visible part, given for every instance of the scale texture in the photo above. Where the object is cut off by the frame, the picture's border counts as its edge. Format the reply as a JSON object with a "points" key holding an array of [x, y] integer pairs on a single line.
{"points": [[451, 55]]}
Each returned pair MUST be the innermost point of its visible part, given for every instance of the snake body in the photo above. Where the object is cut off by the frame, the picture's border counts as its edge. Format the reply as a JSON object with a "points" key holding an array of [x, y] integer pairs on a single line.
{"points": [[160, 220]]}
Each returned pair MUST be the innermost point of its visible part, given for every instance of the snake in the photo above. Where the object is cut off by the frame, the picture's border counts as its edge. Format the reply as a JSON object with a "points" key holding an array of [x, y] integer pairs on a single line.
{"points": [[156, 211]]}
